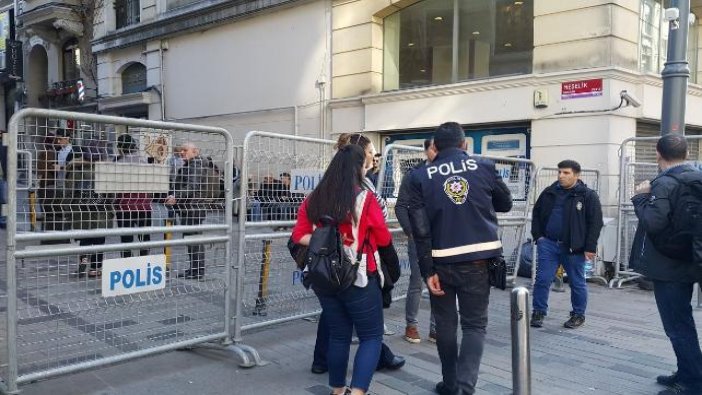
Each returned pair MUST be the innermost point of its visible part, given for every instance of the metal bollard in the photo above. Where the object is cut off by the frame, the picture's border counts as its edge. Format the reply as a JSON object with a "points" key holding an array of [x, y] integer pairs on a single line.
{"points": [[521, 359]]}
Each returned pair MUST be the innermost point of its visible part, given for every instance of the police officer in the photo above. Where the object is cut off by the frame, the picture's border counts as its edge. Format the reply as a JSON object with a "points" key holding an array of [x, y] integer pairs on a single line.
{"points": [[454, 224]]}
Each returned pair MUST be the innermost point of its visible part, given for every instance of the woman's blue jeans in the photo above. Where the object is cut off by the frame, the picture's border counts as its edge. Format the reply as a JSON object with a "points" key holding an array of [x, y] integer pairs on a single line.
{"points": [[361, 308]]}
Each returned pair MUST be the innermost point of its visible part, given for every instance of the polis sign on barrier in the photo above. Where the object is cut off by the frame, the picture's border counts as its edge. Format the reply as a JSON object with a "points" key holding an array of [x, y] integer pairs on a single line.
{"points": [[578, 89], [305, 180], [125, 276]]}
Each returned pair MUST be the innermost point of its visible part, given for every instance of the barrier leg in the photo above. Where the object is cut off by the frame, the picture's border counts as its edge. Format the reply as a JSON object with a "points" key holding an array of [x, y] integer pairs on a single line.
{"points": [[167, 250], [33, 210], [260, 308], [521, 359]]}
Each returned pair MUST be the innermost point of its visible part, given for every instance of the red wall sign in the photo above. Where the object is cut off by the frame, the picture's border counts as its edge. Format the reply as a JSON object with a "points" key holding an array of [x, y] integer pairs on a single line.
{"points": [[585, 88]]}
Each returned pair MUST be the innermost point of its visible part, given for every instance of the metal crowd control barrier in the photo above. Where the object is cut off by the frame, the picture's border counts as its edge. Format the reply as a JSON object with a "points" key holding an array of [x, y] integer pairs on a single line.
{"points": [[545, 177], [638, 163], [269, 289], [517, 174], [75, 295]]}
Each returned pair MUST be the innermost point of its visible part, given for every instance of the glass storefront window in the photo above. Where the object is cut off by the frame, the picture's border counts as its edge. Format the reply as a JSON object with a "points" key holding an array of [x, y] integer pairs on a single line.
{"points": [[653, 43], [438, 41]]}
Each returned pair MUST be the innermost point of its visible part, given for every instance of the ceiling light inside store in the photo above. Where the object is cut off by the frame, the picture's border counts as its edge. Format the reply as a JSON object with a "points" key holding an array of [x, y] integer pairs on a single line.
{"points": [[476, 33], [410, 44], [508, 45], [422, 71], [439, 18], [518, 2]]}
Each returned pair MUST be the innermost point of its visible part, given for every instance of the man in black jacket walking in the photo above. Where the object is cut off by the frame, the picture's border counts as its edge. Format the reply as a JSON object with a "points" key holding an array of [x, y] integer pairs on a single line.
{"points": [[673, 279], [566, 223], [452, 209]]}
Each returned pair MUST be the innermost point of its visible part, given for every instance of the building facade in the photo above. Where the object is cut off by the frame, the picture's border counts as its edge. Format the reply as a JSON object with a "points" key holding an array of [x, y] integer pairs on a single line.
{"points": [[537, 78]]}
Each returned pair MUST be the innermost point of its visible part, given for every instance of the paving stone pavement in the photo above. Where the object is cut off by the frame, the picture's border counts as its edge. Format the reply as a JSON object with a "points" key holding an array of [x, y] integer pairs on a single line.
{"points": [[620, 350]]}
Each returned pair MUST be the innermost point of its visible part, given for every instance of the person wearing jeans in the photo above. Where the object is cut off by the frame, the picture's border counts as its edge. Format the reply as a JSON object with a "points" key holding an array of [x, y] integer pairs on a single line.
{"points": [[414, 290], [361, 308], [339, 200], [655, 203], [566, 223], [550, 255]]}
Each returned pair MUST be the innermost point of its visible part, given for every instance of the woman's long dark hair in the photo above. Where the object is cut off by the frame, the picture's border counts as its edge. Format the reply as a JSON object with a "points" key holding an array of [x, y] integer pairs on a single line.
{"points": [[335, 196]]}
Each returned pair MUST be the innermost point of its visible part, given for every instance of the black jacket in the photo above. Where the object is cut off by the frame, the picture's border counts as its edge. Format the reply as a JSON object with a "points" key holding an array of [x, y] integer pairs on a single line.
{"points": [[453, 204], [653, 211], [402, 205], [582, 217]]}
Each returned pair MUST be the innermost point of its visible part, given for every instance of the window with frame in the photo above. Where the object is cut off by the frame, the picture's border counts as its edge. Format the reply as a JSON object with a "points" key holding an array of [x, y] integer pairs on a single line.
{"points": [[653, 40], [127, 12], [134, 79], [71, 60], [438, 42]]}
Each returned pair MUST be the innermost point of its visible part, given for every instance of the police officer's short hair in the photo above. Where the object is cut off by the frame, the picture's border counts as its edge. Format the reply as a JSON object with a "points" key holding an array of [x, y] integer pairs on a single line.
{"points": [[449, 135], [427, 143], [672, 146], [570, 164]]}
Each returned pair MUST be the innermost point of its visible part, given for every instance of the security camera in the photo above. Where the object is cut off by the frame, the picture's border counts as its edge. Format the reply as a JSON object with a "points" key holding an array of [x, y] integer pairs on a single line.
{"points": [[631, 100]]}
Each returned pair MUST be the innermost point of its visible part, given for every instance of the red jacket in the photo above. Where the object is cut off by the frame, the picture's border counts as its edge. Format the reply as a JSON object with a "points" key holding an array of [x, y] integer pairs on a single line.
{"points": [[370, 220]]}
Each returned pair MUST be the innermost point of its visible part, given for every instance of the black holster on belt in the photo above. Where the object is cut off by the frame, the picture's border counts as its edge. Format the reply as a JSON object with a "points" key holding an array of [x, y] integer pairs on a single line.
{"points": [[497, 273]]}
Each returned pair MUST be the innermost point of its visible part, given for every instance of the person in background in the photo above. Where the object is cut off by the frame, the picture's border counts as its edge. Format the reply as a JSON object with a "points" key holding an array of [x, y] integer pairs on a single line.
{"points": [[185, 196], [673, 278], [567, 220], [372, 174], [455, 230], [340, 196], [133, 210], [387, 360], [414, 290]]}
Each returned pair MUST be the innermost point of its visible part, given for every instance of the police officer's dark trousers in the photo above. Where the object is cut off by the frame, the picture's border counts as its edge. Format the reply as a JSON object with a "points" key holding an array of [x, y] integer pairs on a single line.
{"points": [[468, 282]]}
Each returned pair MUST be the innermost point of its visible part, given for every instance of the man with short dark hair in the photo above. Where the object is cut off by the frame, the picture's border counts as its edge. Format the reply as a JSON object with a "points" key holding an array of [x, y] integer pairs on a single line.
{"points": [[452, 208], [673, 278], [566, 223], [414, 290], [372, 174]]}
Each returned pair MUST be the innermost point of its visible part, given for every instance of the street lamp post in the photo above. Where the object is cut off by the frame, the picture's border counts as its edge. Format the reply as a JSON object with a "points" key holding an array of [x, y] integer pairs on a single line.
{"points": [[676, 72]]}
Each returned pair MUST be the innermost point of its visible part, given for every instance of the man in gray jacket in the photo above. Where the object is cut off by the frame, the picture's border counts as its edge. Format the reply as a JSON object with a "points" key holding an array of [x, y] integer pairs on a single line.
{"points": [[186, 197], [673, 279], [414, 290]]}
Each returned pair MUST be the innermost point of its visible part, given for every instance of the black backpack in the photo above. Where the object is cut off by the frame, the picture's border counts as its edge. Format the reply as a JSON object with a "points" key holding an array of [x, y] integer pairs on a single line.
{"points": [[683, 239], [329, 269]]}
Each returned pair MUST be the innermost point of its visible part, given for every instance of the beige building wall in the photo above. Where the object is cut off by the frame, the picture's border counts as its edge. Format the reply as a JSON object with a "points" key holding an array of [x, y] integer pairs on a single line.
{"points": [[573, 40]]}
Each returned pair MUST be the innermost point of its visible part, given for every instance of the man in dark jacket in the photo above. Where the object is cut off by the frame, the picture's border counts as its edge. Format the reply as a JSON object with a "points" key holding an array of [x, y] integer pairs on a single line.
{"points": [[566, 223], [673, 279], [453, 202], [189, 188], [414, 290]]}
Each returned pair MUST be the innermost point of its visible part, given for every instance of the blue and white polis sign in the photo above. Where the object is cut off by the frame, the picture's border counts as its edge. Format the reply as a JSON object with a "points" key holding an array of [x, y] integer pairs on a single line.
{"points": [[125, 276], [305, 180]]}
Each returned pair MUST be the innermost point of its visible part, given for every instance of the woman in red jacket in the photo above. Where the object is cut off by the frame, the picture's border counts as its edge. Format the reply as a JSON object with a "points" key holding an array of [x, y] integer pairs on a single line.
{"points": [[340, 195]]}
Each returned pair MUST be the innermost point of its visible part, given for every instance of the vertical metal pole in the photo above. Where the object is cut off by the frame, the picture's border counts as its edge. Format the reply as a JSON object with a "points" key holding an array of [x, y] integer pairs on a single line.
{"points": [[11, 245], [521, 360], [454, 54], [676, 72], [240, 264]]}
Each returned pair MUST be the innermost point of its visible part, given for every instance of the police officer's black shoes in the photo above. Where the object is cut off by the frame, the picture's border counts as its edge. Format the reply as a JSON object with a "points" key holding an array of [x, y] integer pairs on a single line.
{"points": [[537, 319], [575, 321], [318, 369], [442, 389], [668, 380]]}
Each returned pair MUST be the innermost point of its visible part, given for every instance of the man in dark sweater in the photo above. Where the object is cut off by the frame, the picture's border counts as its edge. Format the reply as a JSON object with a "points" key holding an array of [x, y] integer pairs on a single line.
{"points": [[566, 224]]}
